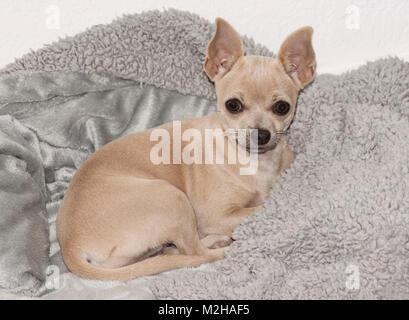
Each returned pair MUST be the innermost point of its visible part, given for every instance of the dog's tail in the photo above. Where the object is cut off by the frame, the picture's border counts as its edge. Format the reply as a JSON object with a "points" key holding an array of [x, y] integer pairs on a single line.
{"points": [[149, 266]]}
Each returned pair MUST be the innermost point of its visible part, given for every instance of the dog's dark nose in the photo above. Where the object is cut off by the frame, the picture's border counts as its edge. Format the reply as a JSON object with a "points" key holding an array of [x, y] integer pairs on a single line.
{"points": [[263, 136]]}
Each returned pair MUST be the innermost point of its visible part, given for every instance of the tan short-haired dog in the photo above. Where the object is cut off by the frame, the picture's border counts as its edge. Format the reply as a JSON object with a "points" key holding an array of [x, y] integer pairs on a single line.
{"points": [[124, 216]]}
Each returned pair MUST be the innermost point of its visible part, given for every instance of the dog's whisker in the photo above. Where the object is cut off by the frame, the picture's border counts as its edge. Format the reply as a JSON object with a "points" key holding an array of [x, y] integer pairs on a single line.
{"points": [[235, 133], [231, 133]]}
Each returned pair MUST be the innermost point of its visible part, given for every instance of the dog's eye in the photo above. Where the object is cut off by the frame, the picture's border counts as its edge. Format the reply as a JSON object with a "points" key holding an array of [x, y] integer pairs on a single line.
{"points": [[281, 108], [234, 106]]}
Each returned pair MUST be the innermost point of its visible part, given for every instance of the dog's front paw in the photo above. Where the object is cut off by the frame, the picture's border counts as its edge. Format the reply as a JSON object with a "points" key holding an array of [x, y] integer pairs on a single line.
{"points": [[219, 253], [225, 243]]}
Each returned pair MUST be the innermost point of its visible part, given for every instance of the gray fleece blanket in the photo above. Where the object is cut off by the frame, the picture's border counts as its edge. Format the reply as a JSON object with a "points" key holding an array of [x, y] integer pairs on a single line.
{"points": [[334, 226]]}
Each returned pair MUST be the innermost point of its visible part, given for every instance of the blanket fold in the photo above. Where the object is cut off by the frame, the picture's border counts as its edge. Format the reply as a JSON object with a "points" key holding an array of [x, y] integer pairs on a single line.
{"points": [[23, 223]]}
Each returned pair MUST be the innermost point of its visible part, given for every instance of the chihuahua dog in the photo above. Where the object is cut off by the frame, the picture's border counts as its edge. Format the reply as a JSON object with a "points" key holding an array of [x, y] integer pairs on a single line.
{"points": [[124, 217]]}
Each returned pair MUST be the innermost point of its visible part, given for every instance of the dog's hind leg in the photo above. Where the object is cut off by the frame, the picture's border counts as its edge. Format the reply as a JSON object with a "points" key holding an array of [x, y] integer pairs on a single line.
{"points": [[143, 221]]}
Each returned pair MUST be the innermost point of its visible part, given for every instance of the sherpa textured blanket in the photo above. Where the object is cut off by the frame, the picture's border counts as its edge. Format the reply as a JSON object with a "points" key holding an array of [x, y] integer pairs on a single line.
{"points": [[334, 226]]}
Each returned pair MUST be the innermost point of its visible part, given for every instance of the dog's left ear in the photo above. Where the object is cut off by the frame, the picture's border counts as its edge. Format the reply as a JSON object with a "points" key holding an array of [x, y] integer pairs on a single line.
{"points": [[223, 50], [297, 56]]}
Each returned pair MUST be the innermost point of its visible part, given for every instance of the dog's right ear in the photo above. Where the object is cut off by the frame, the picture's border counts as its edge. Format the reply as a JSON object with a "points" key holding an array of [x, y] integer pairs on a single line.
{"points": [[223, 50]]}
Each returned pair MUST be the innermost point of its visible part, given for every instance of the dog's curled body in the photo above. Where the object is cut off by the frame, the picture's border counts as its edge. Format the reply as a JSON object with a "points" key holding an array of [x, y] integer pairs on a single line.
{"points": [[125, 216], [119, 207]]}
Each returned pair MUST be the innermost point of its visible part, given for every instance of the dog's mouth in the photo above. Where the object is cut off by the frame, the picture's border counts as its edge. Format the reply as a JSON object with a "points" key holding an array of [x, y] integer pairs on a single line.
{"points": [[243, 140]]}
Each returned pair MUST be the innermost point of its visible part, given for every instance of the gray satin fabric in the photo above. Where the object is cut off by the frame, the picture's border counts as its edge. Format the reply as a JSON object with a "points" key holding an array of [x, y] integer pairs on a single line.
{"points": [[50, 123], [23, 227]]}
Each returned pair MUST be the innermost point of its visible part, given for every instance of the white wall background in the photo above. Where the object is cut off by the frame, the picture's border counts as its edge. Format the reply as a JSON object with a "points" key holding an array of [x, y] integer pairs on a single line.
{"points": [[347, 32]]}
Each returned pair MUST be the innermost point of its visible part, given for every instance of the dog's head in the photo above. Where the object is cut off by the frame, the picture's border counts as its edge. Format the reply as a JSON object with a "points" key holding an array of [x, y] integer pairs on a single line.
{"points": [[255, 92]]}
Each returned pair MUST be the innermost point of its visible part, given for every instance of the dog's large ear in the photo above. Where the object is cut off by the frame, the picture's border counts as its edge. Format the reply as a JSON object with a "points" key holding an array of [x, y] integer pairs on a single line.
{"points": [[297, 56], [223, 50]]}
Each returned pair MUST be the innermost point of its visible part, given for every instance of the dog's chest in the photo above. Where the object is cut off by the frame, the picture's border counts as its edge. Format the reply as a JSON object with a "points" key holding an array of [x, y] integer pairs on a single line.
{"points": [[268, 171]]}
